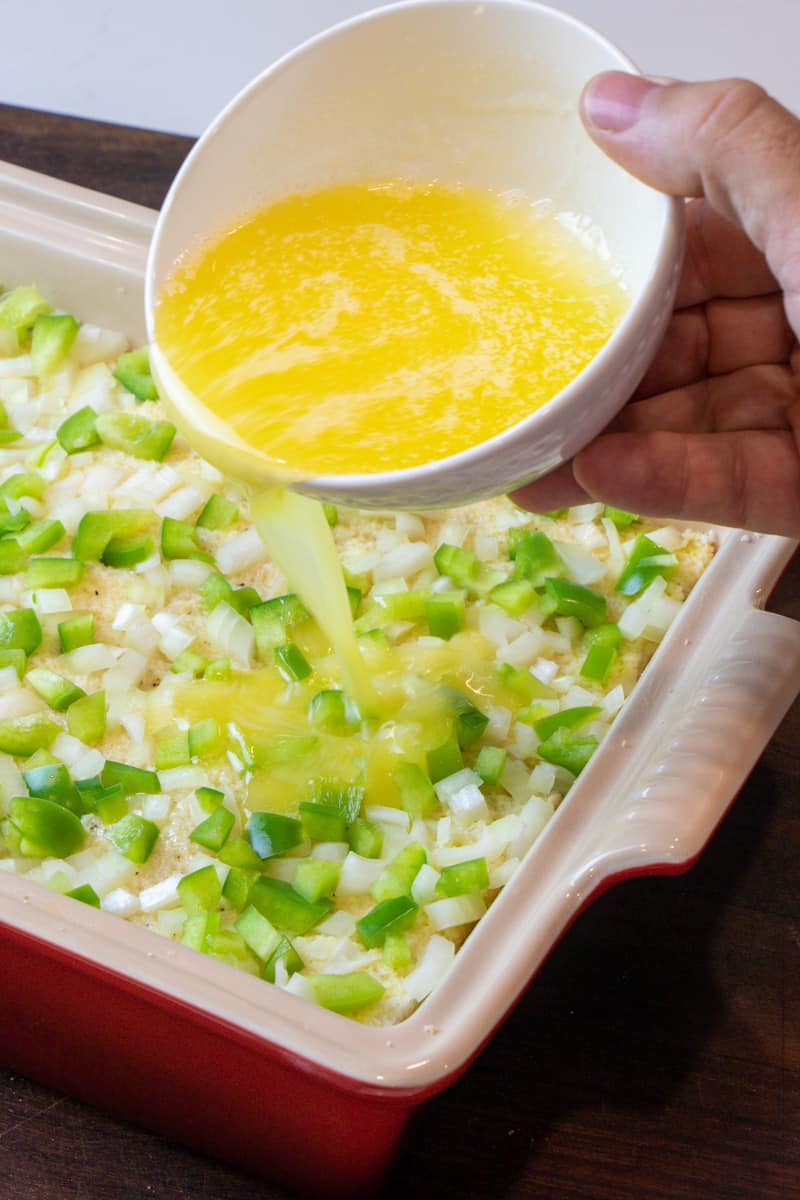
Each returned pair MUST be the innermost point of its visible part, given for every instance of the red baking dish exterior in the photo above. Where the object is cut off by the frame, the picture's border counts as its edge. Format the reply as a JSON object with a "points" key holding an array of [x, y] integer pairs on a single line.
{"points": [[145, 1058], [237, 1068]]}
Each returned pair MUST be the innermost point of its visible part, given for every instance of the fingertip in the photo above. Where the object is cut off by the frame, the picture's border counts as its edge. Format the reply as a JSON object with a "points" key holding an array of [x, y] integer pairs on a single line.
{"points": [[612, 102], [559, 489]]}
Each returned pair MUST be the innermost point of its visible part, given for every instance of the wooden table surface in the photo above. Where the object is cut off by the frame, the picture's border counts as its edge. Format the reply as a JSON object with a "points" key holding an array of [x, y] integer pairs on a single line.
{"points": [[655, 1057]]}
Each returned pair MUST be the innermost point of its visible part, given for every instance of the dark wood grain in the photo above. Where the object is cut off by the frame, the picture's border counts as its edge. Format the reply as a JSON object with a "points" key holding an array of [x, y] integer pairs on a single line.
{"points": [[655, 1057]]}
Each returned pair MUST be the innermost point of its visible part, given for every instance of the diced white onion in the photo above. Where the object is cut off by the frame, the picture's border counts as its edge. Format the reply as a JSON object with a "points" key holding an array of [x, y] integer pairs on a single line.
{"points": [[9, 680], [69, 749], [533, 818], [93, 344], [182, 503], [85, 660], [232, 633], [502, 873], [188, 572], [498, 626], [543, 778], [89, 764], [635, 619], [103, 870], [616, 559], [339, 924], [545, 670], [499, 722], [423, 889], [331, 851], [163, 894], [156, 807], [515, 779], [120, 902], [384, 814], [668, 538], [485, 546], [126, 613], [431, 969], [584, 512], [21, 703], [133, 724], [455, 910], [239, 552], [409, 524], [404, 561], [358, 874], [583, 567], [614, 700], [177, 779], [525, 740], [579, 697], [453, 532], [48, 600], [298, 985], [525, 649]]}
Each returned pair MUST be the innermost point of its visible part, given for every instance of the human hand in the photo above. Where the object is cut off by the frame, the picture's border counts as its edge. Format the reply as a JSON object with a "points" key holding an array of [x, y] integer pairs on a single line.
{"points": [[713, 431]]}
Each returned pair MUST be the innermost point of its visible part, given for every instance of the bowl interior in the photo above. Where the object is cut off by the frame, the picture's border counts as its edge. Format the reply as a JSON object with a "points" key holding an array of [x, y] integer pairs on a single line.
{"points": [[477, 94]]}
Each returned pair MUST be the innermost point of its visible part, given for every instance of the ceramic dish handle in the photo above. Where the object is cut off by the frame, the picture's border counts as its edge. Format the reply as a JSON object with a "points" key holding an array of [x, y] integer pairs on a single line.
{"points": [[675, 804]]}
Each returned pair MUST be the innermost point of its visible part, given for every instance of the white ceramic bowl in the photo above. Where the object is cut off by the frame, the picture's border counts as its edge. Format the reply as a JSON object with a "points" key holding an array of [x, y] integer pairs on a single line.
{"points": [[482, 94]]}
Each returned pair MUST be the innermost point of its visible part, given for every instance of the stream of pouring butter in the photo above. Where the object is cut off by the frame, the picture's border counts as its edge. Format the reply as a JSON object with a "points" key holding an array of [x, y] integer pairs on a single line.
{"points": [[299, 540]]}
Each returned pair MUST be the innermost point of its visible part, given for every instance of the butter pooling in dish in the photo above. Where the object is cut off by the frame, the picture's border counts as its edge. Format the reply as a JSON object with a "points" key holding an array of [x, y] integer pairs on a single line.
{"points": [[216, 716]]}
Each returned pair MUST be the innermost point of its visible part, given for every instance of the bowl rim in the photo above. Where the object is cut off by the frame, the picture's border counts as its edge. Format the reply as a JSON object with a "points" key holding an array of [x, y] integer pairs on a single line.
{"points": [[361, 488]]}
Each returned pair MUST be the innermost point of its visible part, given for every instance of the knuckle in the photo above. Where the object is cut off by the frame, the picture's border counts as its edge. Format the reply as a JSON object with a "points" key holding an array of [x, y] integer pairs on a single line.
{"points": [[728, 108]]}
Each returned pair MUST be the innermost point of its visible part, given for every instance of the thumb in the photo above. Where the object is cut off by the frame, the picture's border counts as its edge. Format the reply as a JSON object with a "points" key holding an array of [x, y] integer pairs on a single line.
{"points": [[727, 140]]}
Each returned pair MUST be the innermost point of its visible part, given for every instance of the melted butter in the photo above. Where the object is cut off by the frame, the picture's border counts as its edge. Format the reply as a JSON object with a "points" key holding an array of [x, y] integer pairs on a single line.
{"points": [[354, 330], [370, 328]]}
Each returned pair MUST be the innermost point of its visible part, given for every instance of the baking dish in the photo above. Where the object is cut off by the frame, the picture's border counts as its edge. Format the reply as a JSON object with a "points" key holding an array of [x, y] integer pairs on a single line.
{"points": [[158, 1034]]}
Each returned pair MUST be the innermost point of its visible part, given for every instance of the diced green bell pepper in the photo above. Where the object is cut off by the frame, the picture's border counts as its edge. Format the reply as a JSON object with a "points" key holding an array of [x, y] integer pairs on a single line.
{"points": [[179, 540], [444, 760], [218, 513], [214, 831], [365, 838], [291, 663], [316, 878], [51, 340], [288, 911], [53, 572], [54, 689], [489, 764], [395, 915], [136, 435], [260, 934], [134, 837], [45, 829], [417, 796], [566, 749], [646, 561], [346, 993], [133, 372], [75, 632], [200, 891], [463, 879], [397, 877], [564, 598], [40, 536], [79, 431], [86, 718], [271, 834], [602, 644], [23, 736]]}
